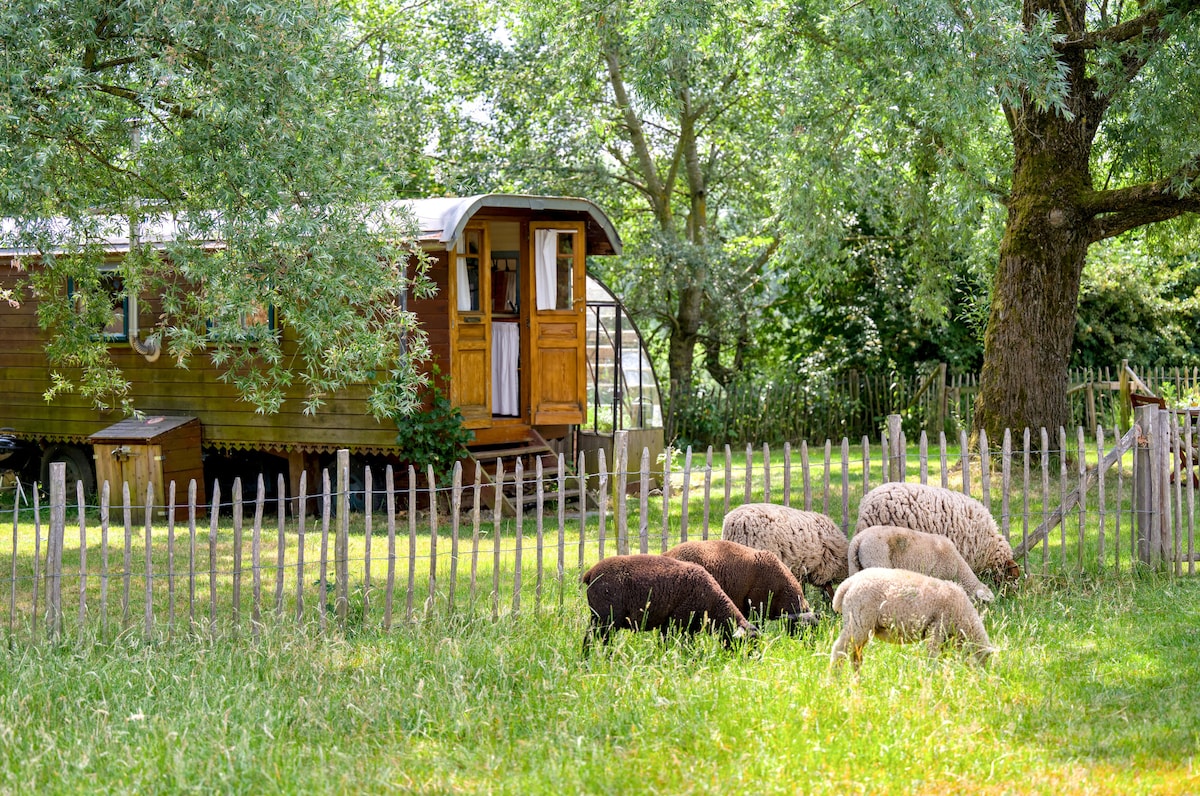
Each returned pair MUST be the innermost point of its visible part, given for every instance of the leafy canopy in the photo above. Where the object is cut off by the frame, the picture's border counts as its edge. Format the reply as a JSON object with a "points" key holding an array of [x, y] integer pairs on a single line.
{"points": [[252, 128]]}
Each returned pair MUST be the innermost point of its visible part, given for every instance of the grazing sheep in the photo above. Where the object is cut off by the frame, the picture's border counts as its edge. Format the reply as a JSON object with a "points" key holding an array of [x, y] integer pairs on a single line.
{"points": [[962, 519], [899, 606], [903, 548], [810, 544], [646, 592], [756, 580]]}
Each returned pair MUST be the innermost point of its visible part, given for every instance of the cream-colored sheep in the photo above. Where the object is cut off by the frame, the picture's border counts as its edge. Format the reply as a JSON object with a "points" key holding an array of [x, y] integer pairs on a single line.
{"points": [[960, 518], [890, 546], [900, 606], [808, 543]]}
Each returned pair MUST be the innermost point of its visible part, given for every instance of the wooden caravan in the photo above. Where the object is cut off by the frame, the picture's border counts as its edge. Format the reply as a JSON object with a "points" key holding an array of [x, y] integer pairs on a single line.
{"points": [[506, 325]]}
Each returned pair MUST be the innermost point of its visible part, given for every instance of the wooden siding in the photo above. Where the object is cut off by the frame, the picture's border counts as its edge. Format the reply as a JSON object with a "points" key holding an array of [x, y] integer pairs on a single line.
{"points": [[228, 421]]}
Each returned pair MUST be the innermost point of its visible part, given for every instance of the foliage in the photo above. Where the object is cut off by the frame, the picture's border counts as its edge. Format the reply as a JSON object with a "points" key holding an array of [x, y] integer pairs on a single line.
{"points": [[956, 110], [661, 112], [244, 123], [1134, 305], [434, 435]]}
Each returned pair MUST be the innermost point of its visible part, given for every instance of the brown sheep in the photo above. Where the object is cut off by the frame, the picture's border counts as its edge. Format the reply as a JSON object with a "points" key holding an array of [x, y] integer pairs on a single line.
{"points": [[808, 543], [647, 592], [756, 580]]}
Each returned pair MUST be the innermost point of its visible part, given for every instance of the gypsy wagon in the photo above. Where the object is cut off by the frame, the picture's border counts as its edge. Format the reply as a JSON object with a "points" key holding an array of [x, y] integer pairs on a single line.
{"points": [[507, 327]]}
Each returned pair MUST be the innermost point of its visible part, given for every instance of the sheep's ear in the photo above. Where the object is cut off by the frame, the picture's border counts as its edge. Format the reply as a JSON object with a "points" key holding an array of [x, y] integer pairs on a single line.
{"points": [[739, 633]]}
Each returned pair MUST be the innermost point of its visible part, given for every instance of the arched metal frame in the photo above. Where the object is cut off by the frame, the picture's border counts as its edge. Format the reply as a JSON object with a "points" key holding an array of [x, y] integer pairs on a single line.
{"points": [[622, 384]]}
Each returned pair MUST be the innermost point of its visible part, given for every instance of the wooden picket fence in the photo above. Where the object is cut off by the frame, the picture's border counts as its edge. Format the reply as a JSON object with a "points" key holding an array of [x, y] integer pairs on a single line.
{"points": [[1066, 502]]}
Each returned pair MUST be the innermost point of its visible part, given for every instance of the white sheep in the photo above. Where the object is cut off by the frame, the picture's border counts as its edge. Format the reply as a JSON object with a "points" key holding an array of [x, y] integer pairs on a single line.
{"points": [[808, 543], [890, 546], [962, 519], [900, 606]]}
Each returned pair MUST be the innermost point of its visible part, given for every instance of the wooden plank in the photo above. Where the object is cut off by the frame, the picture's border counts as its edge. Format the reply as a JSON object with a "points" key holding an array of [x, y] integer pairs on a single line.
{"points": [[389, 485], [256, 559], [54, 549], [412, 541], [685, 496], [192, 502], [846, 524], [301, 518], [1069, 500], [431, 599], [476, 517], [212, 560], [323, 578], [518, 470], [80, 505], [171, 560], [280, 542], [644, 503], [497, 518], [455, 513]]}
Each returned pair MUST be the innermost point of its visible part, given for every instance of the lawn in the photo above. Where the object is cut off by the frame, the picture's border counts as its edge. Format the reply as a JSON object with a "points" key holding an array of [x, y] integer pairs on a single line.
{"points": [[1092, 692]]}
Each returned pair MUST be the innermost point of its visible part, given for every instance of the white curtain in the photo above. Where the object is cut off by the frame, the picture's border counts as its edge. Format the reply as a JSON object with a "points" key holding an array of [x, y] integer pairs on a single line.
{"points": [[506, 351], [464, 286], [545, 244]]}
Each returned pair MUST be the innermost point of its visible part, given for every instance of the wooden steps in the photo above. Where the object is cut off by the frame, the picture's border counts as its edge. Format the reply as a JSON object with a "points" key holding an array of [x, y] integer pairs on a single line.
{"points": [[529, 451]]}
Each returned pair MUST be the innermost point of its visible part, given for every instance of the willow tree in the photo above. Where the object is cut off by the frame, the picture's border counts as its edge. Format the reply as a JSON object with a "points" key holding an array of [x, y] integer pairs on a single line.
{"points": [[250, 129], [1079, 118], [660, 111]]}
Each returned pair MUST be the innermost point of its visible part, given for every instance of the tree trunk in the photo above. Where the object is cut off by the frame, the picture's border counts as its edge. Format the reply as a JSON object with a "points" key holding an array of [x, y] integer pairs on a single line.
{"points": [[1027, 345], [681, 352]]}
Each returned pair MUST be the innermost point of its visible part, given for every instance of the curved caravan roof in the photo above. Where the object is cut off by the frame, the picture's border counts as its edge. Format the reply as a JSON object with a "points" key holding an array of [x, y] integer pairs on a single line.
{"points": [[441, 220]]}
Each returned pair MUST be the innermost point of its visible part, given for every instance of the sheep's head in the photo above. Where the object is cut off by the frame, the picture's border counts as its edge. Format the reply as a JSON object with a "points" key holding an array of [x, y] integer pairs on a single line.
{"points": [[746, 631], [1012, 571], [983, 654], [798, 623], [983, 594]]}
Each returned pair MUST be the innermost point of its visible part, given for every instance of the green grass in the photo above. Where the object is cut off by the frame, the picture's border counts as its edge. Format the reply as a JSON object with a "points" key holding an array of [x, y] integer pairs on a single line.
{"points": [[1093, 691]]}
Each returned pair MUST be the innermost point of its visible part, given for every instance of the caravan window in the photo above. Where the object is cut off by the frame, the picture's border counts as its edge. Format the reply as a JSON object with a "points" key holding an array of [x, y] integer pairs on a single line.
{"points": [[115, 325]]}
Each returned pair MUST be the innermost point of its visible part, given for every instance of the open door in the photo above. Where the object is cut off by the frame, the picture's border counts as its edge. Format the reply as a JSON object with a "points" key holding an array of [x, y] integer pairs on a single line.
{"points": [[471, 329], [558, 372]]}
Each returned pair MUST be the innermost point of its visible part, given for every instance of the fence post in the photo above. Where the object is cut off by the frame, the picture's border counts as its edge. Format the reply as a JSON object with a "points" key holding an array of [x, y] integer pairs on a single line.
{"points": [[341, 545], [1123, 401], [1151, 482], [941, 397], [54, 548], [895, 448], [620, 470]]}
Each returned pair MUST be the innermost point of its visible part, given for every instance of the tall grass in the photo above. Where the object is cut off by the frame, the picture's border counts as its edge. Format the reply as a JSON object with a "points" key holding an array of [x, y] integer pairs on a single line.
{"points": [[1093, 691]]}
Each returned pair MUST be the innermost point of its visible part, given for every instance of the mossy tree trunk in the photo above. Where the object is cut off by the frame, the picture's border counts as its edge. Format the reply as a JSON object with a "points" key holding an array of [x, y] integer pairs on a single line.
{"points": [[1054, 215]]}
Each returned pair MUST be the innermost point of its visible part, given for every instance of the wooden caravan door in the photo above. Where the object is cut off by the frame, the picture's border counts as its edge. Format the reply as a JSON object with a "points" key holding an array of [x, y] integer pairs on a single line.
{"points": [[558, 370], [471, 329]]}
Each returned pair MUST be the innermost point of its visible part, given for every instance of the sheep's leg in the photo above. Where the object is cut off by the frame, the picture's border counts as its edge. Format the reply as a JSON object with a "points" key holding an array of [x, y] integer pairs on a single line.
{"points": [[937, 637], [856, 655], [837, 658]]}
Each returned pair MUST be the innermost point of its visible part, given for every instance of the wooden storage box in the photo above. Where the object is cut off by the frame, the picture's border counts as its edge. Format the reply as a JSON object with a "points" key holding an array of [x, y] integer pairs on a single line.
{"points": [[154, 450]]}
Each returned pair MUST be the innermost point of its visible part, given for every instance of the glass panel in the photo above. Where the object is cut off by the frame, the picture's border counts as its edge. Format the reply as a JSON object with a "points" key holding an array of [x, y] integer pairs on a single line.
{"points": [[565, 271], [469, 292], [506, 293], [112, 284]]}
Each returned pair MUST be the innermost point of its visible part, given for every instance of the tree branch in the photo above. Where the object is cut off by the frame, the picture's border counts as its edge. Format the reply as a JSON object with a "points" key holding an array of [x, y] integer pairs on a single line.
{"points": [[637, 138], [1120, 210], [176, 109]]}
